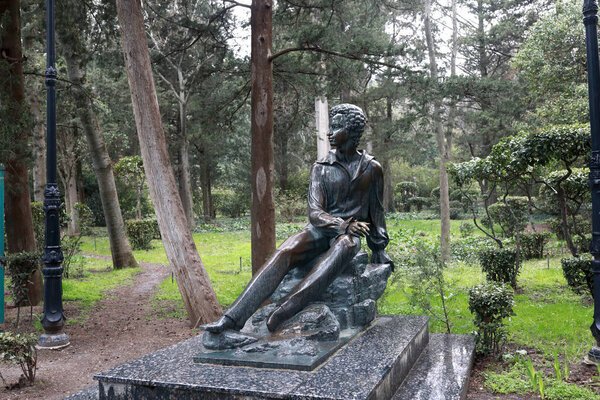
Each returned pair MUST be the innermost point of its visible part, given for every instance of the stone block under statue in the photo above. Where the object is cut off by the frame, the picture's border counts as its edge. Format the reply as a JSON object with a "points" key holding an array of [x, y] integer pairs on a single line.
{"points": [[306, 339]]}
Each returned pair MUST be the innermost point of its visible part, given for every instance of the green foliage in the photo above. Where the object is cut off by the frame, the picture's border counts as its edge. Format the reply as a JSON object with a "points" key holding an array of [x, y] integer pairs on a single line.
{"points": [[578, 274], [511, 216], [20, 266], [466, 229], [575, 185], [533, 243], [490, 303], [418, 202], [141, 232], [425, 282], [500, 265], [403, 191], [468, 249], [16, 348], [231, 203], [289, 206]]}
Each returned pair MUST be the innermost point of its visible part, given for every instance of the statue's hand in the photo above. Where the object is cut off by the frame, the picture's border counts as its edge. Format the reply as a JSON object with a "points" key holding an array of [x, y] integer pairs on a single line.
{"points": [[358, 228]]}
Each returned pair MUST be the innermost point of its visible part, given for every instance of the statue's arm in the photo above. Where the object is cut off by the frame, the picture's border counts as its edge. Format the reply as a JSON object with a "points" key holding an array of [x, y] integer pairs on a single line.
{"points": [[317, 215], [378, 238]]}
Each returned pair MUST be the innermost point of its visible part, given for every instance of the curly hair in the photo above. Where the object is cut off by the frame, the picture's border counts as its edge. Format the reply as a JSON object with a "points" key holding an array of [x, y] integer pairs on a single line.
{"points": [[354, 120]]}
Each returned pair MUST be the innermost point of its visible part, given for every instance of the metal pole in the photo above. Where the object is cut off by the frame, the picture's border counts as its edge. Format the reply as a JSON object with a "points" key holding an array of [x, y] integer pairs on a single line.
{"points": [[590, 20], [53, 319], [2, 258]]}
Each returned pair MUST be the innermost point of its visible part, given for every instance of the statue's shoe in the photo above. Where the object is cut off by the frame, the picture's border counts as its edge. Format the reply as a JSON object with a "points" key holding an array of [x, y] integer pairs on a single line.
{"points": [[219, 325], [278, 316]]}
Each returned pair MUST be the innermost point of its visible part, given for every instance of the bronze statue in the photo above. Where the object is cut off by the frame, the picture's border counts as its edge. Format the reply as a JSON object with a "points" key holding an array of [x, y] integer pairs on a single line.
{"points": [[344, 204]]}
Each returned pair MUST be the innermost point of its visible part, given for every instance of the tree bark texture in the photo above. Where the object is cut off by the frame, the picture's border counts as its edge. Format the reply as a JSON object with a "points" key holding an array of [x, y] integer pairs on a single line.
{"points": [[262, 209], [441, 140], [19, 219], [120, 249], [197, 293], [185, 186], [38, 147], [206, 184]]}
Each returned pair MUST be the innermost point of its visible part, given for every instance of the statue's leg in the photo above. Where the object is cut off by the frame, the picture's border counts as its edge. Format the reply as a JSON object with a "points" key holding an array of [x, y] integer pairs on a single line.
{"points": [[297, 249], [343, 250]]}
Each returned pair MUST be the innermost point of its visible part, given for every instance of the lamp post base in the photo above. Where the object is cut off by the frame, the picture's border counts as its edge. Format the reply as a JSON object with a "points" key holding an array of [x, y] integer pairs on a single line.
{"points": [[53, 341]]}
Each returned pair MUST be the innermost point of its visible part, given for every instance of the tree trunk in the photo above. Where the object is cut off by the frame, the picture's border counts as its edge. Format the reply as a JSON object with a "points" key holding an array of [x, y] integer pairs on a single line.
{"points": [[441, 141], [185, 187], [197, 293], [262, 209], [205, 183], [388, 189], [120, 248], [71, 194], [562, 203], [38, 147], [19, 219]]}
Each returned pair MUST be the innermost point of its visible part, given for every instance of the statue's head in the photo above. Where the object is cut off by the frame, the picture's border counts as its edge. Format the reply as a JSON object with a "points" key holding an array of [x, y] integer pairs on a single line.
{"points": [[351, 117]]}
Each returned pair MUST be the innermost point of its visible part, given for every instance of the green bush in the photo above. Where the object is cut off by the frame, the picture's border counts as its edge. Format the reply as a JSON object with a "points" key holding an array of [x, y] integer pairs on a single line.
{"points": [[231, 204], [466, 229], [500, 265], [532, 244], [141, 232], [456, 213], [490, 303], [418, 202], [578, 274], [20, 349], [501, 214], [20, 266], [404, 191], [582, 226]]}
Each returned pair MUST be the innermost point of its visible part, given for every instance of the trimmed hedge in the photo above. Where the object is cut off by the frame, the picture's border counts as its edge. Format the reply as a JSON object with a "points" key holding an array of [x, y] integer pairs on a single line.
{"points": [[500, 265], [533, 243], [578, 273], [490, 303]]}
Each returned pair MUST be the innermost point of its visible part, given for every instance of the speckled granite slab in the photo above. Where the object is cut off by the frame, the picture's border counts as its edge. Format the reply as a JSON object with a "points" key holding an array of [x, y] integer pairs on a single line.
{"points": [[371, 366], [90, 393], [442, 371]]}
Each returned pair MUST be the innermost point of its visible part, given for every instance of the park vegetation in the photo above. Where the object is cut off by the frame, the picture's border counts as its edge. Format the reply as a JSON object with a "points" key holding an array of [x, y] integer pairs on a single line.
{"points": [[186, 123]]}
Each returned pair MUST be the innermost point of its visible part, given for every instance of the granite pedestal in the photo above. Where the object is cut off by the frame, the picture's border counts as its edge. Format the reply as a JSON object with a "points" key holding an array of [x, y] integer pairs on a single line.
{"points": [[392, 359]]}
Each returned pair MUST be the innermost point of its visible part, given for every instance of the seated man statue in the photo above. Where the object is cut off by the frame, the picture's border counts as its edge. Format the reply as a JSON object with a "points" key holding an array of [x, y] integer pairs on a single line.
{"points": [[344, 204]]}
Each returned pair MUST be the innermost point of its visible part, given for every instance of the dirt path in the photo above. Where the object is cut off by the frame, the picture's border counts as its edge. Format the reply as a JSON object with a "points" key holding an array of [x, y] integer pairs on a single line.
{"points": [[121, 327]]}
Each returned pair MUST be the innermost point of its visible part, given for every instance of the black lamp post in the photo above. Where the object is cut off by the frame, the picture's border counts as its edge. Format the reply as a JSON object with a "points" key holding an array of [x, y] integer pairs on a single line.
{"points": [[590, 20], [53, 319]]}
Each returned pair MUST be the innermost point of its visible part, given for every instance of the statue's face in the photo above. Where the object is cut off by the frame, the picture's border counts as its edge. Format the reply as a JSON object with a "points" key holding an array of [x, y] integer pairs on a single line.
{"points": [[337, 131]]}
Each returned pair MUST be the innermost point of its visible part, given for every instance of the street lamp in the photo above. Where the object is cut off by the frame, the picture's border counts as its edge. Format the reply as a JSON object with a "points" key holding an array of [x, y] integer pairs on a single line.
{"points": [[53, 319]]}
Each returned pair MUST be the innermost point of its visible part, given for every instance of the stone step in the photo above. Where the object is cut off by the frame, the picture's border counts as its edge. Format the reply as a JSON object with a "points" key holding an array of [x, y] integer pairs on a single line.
{"points": [[91, 393], [442, 371], [371, 366]]}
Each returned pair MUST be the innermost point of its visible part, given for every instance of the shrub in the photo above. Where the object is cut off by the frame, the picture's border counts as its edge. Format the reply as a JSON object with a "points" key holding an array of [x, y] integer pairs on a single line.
{"points": [[467, 249], [20, 268], [466, 229], [582, 226], [532, 244], [20, 349], [578, 273], [141, 232], [418, 202], [501, 214], [490, 303], [455, 213], [500, 265], [404, 191], [231, 204]]}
